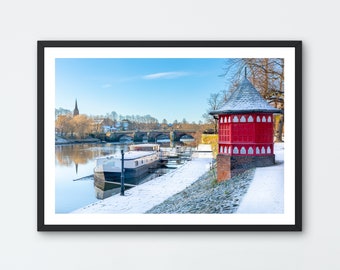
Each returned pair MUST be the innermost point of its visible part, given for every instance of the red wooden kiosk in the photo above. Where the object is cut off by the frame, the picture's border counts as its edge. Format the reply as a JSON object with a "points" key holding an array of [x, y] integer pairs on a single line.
{"points": [[245, 131]]}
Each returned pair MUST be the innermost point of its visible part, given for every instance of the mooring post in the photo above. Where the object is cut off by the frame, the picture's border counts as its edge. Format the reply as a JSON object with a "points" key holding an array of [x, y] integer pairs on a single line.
{"points": [[122, 188]]}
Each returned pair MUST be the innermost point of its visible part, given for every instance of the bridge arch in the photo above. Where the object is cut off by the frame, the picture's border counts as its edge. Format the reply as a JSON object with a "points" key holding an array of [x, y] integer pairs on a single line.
{"points": [[153, 135], [186, 138], [125, 138], [178, 134], [162, 138], [140, 136]]}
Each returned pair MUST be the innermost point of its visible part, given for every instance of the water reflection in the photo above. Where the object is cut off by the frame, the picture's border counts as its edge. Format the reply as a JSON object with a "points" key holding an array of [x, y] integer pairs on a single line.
{"points": [[105, 188], [69, 155], [76, 162], [73, 162]]}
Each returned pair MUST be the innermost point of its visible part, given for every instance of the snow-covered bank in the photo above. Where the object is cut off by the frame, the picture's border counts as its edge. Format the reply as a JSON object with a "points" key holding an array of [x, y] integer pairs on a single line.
{"points": [[143, 197], [206, 196], [62, 141], [245, 193], [266, 191]]}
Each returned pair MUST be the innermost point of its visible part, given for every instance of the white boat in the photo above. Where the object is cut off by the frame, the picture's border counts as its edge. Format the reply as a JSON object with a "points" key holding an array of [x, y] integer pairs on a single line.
{"points": [[137, 163], [173, 164]]}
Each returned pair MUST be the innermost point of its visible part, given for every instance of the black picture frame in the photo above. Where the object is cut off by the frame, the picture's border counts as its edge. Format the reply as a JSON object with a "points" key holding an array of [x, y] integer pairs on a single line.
{"points": [[45, 174]]}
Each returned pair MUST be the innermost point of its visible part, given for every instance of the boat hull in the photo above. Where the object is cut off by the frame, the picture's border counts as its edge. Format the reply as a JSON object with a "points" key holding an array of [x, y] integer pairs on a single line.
{"points": [[138, 162], [132, 176]]}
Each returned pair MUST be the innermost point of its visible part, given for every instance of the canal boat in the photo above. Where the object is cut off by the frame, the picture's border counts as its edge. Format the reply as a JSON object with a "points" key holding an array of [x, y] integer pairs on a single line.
{"points": [[138, 162]]}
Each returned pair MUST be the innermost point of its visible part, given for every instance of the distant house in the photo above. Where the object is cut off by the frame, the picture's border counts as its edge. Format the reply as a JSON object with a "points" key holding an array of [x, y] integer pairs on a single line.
{"points": [[108, 129]]}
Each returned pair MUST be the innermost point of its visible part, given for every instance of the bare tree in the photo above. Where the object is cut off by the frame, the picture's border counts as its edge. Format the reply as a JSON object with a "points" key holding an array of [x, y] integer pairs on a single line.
{"points": [[215, 102], [82, 125], [63, 124]]}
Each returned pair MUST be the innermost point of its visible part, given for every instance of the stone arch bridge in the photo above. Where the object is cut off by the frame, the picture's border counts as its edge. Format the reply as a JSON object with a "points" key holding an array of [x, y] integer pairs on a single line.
{"points": [[150, 135]]}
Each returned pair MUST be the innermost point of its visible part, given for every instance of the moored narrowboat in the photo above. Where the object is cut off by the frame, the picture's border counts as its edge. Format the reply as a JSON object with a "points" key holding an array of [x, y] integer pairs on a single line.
{"points": [[138, 162]]}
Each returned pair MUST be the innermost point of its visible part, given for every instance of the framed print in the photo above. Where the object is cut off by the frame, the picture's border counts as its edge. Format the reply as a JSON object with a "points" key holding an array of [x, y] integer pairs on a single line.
{"points": [[169, 136]]}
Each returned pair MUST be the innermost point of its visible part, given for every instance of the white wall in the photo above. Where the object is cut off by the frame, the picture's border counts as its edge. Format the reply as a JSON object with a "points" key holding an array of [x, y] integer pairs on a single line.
{"points": [[22, 23]]}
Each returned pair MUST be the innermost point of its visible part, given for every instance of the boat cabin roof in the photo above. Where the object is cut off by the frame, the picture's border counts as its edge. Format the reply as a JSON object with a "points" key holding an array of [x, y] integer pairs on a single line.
{"points": [[130, 155], [145, 147]]}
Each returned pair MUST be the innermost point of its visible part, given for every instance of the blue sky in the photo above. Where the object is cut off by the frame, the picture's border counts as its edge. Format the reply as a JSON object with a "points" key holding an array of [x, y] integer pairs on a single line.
{"points": [[161, 87]]}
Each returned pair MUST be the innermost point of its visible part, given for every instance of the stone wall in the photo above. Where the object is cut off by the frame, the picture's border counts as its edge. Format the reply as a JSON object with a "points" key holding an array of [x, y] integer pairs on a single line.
{"points": [[228, 166], [223, 167]]}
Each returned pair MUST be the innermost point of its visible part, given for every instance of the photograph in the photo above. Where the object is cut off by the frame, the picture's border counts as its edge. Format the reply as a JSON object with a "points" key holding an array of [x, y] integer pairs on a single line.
{"points": [[169, 136]]}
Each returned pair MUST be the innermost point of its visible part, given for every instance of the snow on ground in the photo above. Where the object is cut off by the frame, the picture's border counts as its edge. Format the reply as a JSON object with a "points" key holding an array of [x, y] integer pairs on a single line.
{"points": [[266, 191], [145, 196], [60, 140]]}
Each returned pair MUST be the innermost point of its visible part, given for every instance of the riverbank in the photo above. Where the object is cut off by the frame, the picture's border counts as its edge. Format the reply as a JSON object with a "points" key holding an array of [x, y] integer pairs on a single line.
{"points": [[62, 141], [193, 189], [206, 196], [143, 197], [257, 190]]}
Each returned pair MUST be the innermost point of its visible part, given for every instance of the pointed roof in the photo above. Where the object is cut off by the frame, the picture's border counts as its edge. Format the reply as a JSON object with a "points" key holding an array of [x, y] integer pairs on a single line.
{"points": [[246, 99], [76, 110]]}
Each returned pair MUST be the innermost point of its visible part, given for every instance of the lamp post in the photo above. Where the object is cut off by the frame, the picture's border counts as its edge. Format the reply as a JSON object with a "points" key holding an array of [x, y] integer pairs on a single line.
{"points": [[122, 188]]}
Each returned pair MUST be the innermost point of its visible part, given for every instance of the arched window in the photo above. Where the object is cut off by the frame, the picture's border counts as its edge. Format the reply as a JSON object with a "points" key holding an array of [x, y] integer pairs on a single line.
{"points": [[263, 150], [235, 119], [243, 119], [250, 119], [264, 119], [257, 150], [225, 149], [258, 119], [235, 150], [229, 150], [221, 120], [250, 150], [269, 119], [269, 151], [221, 149], [229, 119], [225, 119], [243, 150]]}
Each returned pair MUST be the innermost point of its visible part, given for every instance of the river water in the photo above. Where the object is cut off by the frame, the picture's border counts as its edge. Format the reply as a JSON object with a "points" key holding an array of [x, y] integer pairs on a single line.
{"points": [[74, 181]]}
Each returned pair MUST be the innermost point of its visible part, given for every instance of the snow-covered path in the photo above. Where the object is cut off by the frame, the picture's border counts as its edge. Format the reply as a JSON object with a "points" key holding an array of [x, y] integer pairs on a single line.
{"points": [[143, 197], [266, 191]]}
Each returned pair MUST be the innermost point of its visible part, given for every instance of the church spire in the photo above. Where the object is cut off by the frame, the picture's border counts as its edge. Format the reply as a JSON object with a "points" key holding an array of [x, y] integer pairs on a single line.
{"points": [[76, 111]]}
